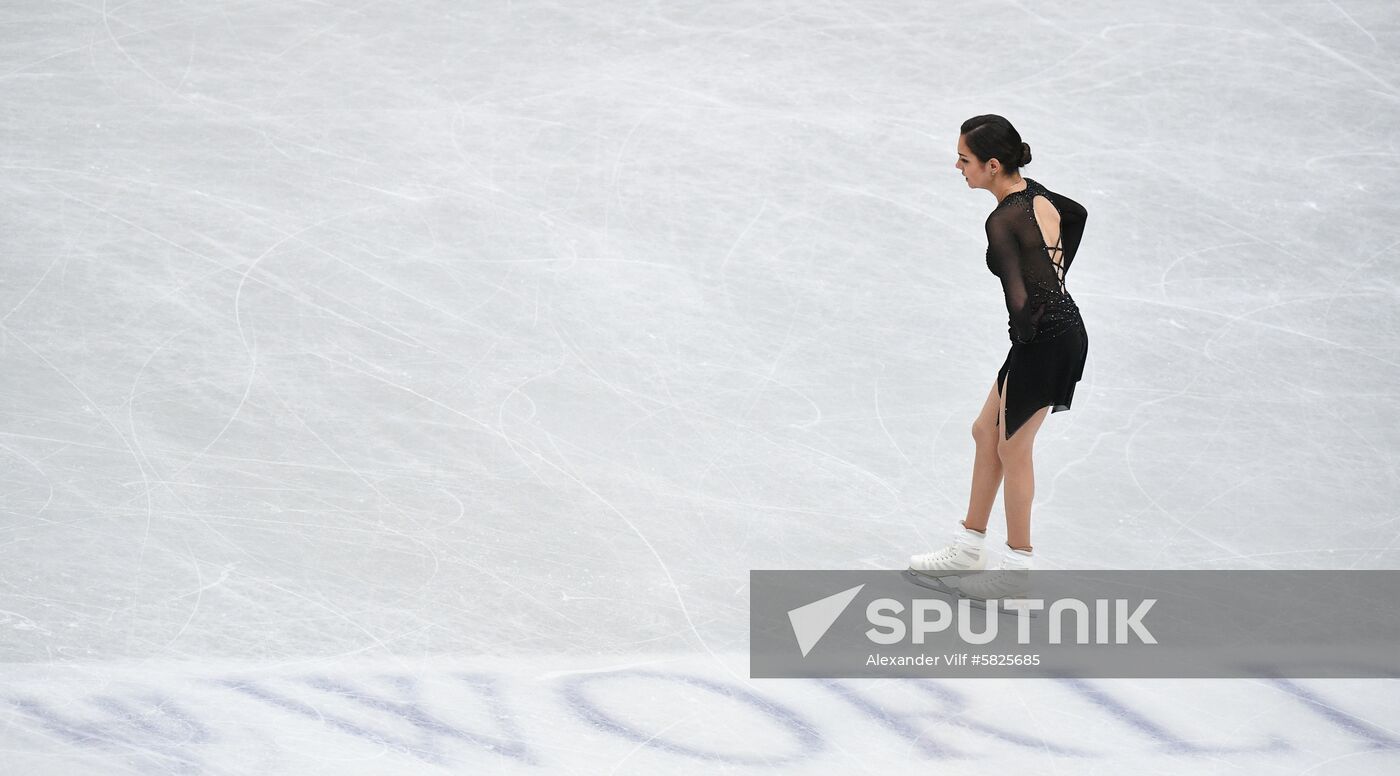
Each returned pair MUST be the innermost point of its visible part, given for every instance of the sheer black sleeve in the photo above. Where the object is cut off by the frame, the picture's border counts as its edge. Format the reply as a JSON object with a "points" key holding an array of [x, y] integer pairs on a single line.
{"points": [[1003, 257], [1072, 219]]}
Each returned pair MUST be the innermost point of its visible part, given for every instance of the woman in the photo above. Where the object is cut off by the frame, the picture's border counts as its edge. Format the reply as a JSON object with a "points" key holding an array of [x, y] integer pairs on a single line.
{"points": [[1032, 236]]}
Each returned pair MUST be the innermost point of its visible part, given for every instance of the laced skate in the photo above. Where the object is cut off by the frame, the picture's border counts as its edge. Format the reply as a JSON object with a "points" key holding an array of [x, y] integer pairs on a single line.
{"points": [[997, 583], [964, 555], [1009, 579]]}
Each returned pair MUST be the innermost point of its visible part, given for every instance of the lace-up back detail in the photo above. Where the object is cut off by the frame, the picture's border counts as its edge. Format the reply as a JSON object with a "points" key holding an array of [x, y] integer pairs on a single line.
{"points": [[1033, 272], [1059, 262], [1045, 212]]}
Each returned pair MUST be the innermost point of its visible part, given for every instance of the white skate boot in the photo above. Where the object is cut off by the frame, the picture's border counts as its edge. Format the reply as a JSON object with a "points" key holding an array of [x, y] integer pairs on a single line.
{"points": [[1009, 579], [966, 554]]}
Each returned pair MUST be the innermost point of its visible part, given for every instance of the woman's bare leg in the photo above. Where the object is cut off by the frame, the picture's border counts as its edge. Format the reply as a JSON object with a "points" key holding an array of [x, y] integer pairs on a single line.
{"points": [[986, 464], [1018, 472]]}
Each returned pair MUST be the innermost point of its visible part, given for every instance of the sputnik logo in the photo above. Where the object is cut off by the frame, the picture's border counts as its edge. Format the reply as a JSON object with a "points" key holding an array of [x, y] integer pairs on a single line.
{"points": [[812, 621]]}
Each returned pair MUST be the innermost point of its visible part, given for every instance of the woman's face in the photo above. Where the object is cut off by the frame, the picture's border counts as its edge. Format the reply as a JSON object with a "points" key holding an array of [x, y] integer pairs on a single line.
{"points": [[976, 173]]}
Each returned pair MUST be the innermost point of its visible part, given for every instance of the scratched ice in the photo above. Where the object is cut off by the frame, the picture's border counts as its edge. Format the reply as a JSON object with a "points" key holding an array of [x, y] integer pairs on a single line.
{"points": [[377, 376]]}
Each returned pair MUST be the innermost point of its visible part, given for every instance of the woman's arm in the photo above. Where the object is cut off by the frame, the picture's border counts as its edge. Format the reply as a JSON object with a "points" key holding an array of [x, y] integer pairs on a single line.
{"points": [[1072, 219], [1004, 252]]}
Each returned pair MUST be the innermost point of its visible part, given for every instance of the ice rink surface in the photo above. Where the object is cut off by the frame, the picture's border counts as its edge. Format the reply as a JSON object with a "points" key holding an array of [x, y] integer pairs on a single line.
{"points": [[410, 387]]}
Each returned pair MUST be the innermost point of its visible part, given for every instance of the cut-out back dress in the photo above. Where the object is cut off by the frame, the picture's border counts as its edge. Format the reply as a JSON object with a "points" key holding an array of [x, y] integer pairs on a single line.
{"points": [[1031, 255]]}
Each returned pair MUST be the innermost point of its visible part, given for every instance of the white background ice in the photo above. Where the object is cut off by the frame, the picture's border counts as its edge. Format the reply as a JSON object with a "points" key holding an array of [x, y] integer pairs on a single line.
{"points": [[523, 331]]}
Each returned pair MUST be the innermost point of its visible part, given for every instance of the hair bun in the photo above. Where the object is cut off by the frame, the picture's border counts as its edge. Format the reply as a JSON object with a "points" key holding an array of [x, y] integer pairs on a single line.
{"points": [[1025, 153]]}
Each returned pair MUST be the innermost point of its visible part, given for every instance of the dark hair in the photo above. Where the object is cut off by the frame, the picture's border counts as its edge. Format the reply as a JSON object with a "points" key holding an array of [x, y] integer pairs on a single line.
{"points": [[992, 137]]}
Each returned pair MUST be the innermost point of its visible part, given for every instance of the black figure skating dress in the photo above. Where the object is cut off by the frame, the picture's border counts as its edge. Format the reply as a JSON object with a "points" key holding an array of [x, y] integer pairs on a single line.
{"points": [[1048, 342]]}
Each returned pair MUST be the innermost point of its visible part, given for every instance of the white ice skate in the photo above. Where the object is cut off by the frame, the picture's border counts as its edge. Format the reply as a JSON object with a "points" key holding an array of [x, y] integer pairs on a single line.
{"points": [[1009, 579], [966, 554]]}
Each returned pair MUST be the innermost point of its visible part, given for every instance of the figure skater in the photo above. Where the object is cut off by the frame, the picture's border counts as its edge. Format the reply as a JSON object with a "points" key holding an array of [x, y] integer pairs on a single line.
{"points": [[1032, 236]]}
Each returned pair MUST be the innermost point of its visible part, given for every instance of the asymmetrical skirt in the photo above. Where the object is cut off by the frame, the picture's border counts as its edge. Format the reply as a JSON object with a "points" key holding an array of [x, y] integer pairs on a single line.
{"points": [[1042, 374]]}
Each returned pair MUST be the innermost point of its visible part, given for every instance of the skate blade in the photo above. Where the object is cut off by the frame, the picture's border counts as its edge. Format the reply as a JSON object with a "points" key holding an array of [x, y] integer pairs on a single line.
{"points": [[932, 583]]}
